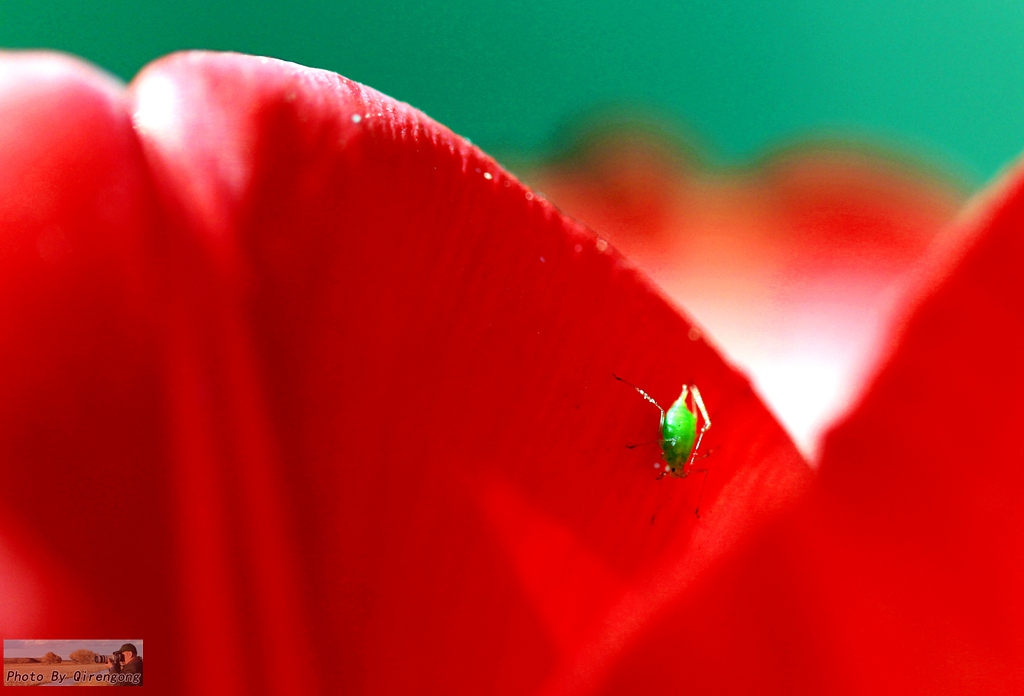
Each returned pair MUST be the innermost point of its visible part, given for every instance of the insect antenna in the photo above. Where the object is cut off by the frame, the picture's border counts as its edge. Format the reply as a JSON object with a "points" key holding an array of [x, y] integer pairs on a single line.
{"points": [[644, 394]]}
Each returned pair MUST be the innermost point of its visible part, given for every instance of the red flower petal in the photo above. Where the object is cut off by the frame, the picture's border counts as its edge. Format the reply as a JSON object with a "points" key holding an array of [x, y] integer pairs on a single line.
{"points": [[81, 418], [926, 476], [387, 439]]}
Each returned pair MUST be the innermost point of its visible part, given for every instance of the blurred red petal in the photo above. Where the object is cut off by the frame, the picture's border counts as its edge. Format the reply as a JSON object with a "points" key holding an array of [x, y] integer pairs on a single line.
{"points": [[795, 265], [82, 416], [355, 405], [926, 479]]}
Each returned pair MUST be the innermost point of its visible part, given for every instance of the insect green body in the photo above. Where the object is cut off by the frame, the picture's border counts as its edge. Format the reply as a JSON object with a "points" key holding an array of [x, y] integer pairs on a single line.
{"points": [[678, 432], [680, 435], [681, 431]]}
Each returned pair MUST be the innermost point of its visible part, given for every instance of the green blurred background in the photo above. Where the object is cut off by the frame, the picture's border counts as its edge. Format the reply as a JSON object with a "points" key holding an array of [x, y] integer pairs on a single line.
{"points": [[936, 80]]}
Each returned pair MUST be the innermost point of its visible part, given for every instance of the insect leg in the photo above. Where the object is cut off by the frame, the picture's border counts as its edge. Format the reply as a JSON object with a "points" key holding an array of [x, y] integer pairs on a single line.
{"points": [[701, 496], [704, 456], [641, 444], [700, 405], [699, 402]]}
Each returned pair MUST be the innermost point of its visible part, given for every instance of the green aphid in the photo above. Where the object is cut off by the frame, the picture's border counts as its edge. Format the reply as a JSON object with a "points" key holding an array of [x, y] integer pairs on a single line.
{"points": [[680, 433], [679, 437]]}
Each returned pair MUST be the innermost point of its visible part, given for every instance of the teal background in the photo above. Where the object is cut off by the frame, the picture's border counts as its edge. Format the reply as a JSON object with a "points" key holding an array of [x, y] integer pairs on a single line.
{"points": [[939, 80]]}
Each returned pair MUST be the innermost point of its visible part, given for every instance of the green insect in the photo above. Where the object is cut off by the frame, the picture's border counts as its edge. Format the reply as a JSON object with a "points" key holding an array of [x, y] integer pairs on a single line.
{"points": [[680, 435]]}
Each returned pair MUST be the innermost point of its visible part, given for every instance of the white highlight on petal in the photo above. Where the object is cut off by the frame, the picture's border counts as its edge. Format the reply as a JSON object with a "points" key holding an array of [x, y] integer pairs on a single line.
{"points": [[158, 110]]}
